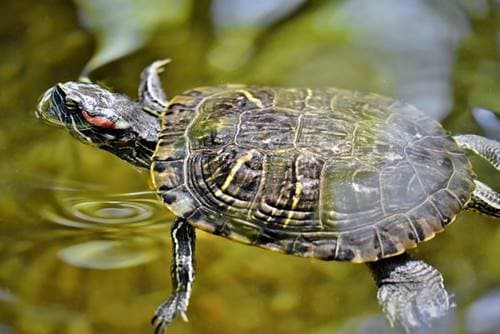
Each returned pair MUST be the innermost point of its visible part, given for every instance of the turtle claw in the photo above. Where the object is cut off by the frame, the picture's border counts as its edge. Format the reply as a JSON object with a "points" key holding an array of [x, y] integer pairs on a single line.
{"points": [[159, 65], [167, 312], [184, 317], [161, 328]]}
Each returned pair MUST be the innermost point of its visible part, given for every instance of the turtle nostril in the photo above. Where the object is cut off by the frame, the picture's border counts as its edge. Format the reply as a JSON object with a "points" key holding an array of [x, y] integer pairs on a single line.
{"points": [[49, 107]]}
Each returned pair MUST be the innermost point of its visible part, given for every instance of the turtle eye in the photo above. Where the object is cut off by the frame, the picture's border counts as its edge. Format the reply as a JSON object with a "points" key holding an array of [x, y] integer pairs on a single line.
{"points": [[71, 105]]}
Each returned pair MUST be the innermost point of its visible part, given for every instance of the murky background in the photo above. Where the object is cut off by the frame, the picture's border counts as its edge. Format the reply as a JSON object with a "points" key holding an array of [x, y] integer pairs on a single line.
{"points": [[84, 245]]}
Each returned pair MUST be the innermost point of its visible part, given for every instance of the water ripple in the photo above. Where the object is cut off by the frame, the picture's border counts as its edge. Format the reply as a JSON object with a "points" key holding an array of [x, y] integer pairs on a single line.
{"points": [[95, 211]]}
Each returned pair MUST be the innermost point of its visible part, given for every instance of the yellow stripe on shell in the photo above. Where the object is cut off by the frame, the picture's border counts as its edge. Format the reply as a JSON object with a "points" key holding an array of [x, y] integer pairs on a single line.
{"points": [[251, 98], [296, 195], [295, 202], [239, 163]]}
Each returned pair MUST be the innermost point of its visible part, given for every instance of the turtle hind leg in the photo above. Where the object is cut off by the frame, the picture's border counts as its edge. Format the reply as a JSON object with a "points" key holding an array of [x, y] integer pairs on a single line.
{"points": [[485, 200], [182, 273], [410, 291], [488, 149]]}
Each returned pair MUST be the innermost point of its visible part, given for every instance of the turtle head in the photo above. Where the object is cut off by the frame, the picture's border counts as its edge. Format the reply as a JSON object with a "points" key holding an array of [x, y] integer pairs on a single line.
{"points": [[97, 116]]}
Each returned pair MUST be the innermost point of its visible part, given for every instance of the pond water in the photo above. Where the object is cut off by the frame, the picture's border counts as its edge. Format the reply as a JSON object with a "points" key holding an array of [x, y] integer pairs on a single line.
{"points": [[84, 244]]}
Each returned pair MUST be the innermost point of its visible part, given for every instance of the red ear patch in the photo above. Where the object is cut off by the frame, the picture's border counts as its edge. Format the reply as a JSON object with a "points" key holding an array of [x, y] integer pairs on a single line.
{"points": [[99, 121]]}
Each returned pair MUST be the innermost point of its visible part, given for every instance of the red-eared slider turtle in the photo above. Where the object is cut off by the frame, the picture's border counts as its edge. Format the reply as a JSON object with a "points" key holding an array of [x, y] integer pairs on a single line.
{"points": [[324, 173]]}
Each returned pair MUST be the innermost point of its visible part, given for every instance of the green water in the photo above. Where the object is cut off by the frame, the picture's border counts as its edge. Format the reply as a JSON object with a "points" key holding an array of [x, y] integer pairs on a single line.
{"points": [[84, 245]]}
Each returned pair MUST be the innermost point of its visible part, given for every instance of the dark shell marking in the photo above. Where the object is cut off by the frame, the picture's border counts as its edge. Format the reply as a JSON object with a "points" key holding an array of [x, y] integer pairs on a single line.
{"points": [[326, 173]]}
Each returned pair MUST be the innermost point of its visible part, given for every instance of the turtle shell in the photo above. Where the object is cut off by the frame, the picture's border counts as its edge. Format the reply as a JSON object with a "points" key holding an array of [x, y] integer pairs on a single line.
{"points": [[325, 173]]}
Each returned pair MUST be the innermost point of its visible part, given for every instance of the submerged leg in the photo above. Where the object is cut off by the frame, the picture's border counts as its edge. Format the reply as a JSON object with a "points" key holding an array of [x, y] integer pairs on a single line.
{"points": [[410, 291], [182, 272], [485, 200], [488, 149], [151, 95]]}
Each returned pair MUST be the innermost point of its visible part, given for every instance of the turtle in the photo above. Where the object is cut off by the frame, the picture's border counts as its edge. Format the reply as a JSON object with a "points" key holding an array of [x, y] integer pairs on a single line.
{"points": [[325, 173]]}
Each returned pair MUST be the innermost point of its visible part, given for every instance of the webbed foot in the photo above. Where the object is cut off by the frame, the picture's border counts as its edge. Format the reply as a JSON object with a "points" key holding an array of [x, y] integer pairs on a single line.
{"points": [[174, 306], [151, 95], [411, 292]]}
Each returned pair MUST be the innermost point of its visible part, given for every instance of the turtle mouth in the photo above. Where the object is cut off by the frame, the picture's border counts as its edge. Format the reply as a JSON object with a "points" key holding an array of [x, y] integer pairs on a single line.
{"points": [[51, 107]]}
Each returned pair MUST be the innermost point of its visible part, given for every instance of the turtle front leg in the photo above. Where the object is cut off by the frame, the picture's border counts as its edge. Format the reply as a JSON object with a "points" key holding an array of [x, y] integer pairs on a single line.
{"points": [[151, 95], [410, 291], [182, 273]]}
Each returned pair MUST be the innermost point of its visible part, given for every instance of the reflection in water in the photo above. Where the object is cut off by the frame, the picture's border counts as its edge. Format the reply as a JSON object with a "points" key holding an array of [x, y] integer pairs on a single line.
{"points": [[488, 121], [228, 13], [378, 325], [406, 49], [418, 67], [483, 316], [47, 281], [6, 296], [114, 214], [128, 28], [101, 254], [5, 330]]}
